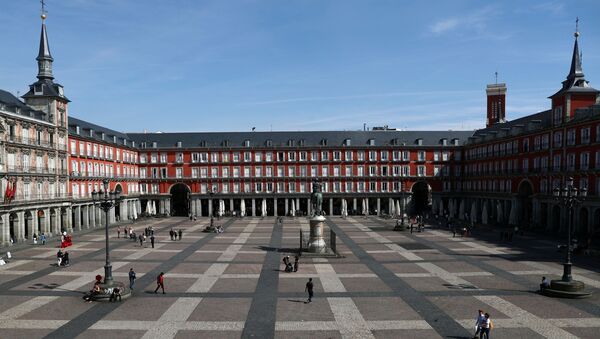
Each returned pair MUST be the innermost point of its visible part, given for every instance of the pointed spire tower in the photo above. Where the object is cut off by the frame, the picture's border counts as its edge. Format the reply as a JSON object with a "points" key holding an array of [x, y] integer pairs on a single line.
{"points": [[576, 91], [44, 94]]}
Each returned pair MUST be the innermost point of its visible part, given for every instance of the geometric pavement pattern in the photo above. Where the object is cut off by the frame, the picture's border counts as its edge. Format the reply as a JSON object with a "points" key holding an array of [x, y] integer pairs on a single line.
{"points": [[231, 285]]}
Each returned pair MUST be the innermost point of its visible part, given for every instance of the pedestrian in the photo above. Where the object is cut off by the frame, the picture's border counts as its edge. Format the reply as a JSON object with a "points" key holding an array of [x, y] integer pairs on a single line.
{"points": [[43, 239], [35, 239], [480, 318], [545, 284], [486, 326], [309, 289], [296, 258], [116, 294], [118, 232], [131, 278], [172, 234], [152, 240], [59, 257], [411, 226], [160, 283], [180, 233], [141, 237]]}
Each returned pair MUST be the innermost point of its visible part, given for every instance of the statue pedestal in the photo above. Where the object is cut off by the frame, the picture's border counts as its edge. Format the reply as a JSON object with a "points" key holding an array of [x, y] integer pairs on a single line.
{"points": [[316, 242]]}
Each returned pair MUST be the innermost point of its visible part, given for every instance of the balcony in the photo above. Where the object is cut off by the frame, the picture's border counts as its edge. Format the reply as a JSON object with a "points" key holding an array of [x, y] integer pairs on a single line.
{"points": [[30, 141], [33, 170]]}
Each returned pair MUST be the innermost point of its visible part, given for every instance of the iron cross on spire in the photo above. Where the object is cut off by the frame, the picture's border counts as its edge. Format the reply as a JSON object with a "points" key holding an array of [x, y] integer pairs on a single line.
{"points": [[43, 9]]}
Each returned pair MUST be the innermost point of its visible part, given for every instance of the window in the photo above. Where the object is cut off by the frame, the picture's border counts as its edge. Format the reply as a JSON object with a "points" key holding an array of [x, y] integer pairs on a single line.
{"points": [[571, 162], [247, 172], [236, 156], [247, 156], [324, 171], [179, 173], [337, 155], [585, 135], [225, 157], [361, 171], [421, 171], [336, 171], [526, 145], [194, 172], [303, 156], [257, 156], [557, 115], [360, 155], [291, 156], [348, 156], [268, 172], [314, 171], [324, 156], [268, 157], [372, 171], [258, 172], [384, 155], [436, 156], [348, 171], [557, 139], [236, 172], [584, 161], [571, 137], [372, 155], [406, 155], [556, 163], [421, 156]]}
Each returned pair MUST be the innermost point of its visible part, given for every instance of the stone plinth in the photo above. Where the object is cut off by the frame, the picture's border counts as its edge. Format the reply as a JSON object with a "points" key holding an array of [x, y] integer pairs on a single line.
{"points": [[316, 242]]}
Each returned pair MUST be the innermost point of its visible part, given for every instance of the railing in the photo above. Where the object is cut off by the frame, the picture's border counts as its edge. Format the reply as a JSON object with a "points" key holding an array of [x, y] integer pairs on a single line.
{"points": [[37, 197], [31, 141], [33, 169]]}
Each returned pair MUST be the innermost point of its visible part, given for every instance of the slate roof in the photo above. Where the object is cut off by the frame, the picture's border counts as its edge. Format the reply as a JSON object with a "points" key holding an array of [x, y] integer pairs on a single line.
{"points": [[310, 138], [84, 132], [12, 104]]}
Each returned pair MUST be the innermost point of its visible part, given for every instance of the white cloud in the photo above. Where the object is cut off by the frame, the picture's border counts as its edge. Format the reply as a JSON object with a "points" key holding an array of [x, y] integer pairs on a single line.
{"points": [[444, 25], [474, 22]]}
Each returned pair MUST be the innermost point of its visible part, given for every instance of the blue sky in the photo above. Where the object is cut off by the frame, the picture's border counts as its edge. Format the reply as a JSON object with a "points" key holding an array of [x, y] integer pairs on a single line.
{"points": [[298, 65]]}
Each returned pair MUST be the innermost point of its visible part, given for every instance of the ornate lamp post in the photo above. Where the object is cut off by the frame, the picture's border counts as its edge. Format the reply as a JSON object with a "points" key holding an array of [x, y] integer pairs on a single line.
{"points": [[107, 201], [568, 196]]}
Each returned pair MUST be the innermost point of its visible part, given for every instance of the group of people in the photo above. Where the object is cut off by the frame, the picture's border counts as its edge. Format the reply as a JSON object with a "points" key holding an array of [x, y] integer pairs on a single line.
{"points": [[288, 263], [62, 258], [483, 325], [174, 234], [42, 238]]}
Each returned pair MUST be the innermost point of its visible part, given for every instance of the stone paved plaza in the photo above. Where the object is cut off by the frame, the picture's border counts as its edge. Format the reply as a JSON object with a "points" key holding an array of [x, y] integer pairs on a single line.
{"points": [[388, 285]]}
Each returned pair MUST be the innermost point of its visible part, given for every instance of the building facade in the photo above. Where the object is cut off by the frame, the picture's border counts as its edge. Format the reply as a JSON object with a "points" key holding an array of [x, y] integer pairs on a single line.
{"points": [[503, 174]]}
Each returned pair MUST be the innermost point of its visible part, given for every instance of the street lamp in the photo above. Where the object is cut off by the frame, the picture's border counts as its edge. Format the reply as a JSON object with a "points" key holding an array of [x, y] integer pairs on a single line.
{"points": [[211, 192], [568, 196], [107, 201]]}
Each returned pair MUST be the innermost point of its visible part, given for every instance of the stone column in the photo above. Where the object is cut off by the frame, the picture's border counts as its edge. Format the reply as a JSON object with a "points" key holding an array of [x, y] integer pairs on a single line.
{"points": [[168, 206], [161, 206], [378, 206], [308, 207], [286, 206], [85, 221], [4, 229], [77, 220], [20, 231], [210, 207], [34, 224], [46, 226], [330, 206], [253, 207], [199, 207], [390, 203], [69, 220], [111, 216], [297, 204], [275, 206], [230, 205], [354, 204], [57, 222], [123, 211]]}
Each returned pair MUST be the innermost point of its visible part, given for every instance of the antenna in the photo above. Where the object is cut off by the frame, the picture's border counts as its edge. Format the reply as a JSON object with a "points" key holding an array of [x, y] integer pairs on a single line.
{"points": [[496, 75]]}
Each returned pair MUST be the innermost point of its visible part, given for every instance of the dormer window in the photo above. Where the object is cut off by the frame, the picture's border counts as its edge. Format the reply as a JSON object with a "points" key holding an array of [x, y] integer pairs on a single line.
{"points": [[347, 142], [179, 144], [133, 144], [323, 142], [419, 142], [371, 142], [91, 133], [114, 139], [301, 142], [246, 143], [125, 142], [269, 143], [203, 143], [225, 143], [455, 141], [444, 142], [38, 89], [103, 135], [290, 142], [154, 144], [77, 130]]}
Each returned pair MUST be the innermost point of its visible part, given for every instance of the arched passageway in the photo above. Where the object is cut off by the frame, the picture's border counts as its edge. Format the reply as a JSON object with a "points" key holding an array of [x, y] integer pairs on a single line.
{"points": [[526, 204], [421, 197], [180, 200]]}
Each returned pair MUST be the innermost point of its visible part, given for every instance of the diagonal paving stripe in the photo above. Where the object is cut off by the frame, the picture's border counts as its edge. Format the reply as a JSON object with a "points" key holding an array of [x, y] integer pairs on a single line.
{"points": [[435, 317], [85, 320], [260, 322]]}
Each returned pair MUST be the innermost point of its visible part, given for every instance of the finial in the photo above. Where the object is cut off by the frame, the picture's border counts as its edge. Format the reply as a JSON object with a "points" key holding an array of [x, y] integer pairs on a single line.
{"points": [[43, 16], [576, 28]]}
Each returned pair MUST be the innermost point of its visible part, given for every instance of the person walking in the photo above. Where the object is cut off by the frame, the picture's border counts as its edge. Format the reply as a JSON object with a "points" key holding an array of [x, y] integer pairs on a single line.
{"points": [[160, 283], [180, 232], [172, 234], [43, 239], [309, 289], [141, 238], [132, 278], [118, 232], [296, 259], [152, 240], [486, 326], [480, 318]]}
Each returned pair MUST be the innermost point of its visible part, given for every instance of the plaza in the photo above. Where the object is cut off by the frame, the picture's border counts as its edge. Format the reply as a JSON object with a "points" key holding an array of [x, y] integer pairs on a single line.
{"points": [[232, 285]]}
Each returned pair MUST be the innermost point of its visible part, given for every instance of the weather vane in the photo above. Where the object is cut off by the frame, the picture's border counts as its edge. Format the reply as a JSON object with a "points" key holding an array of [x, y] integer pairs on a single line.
{"points": [[576, 27], [43, 9]]}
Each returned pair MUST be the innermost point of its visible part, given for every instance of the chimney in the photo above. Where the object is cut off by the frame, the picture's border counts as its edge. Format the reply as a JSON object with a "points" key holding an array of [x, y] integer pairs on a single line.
{"points": [[496, 104]]}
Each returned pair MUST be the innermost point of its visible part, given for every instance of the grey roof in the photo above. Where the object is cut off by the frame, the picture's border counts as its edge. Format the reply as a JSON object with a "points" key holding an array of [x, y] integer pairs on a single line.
{"points": [[530, 122], [12, 104], [305, 138], [44, 52], [575, 82], [84, 132]]}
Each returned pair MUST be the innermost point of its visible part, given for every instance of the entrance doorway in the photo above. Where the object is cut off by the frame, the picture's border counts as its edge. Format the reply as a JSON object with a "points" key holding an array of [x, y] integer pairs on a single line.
{"points": [[421, 197], [180, 200]]}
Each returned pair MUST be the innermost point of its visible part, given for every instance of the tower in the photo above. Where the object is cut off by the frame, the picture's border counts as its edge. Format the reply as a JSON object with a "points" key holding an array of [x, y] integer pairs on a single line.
{"points": [[575, 92], [496, 103], [44, 94]]}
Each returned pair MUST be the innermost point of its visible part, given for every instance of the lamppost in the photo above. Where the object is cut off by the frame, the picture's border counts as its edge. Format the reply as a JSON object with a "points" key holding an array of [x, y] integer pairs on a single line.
{"points": [[107, 201], [568, 196], [211, 193]]}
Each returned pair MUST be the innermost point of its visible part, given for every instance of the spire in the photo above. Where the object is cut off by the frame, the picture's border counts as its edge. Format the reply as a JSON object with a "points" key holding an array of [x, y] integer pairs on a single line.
{"points": [[44, 57], [576, 70]]}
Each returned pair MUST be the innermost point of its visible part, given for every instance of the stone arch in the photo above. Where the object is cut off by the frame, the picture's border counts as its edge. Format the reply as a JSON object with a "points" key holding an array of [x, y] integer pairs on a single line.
{"points": [[180, 199], [556, 218], [28, 224], [13, 225], [421, 197], [41, 220], [525, 210]]}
